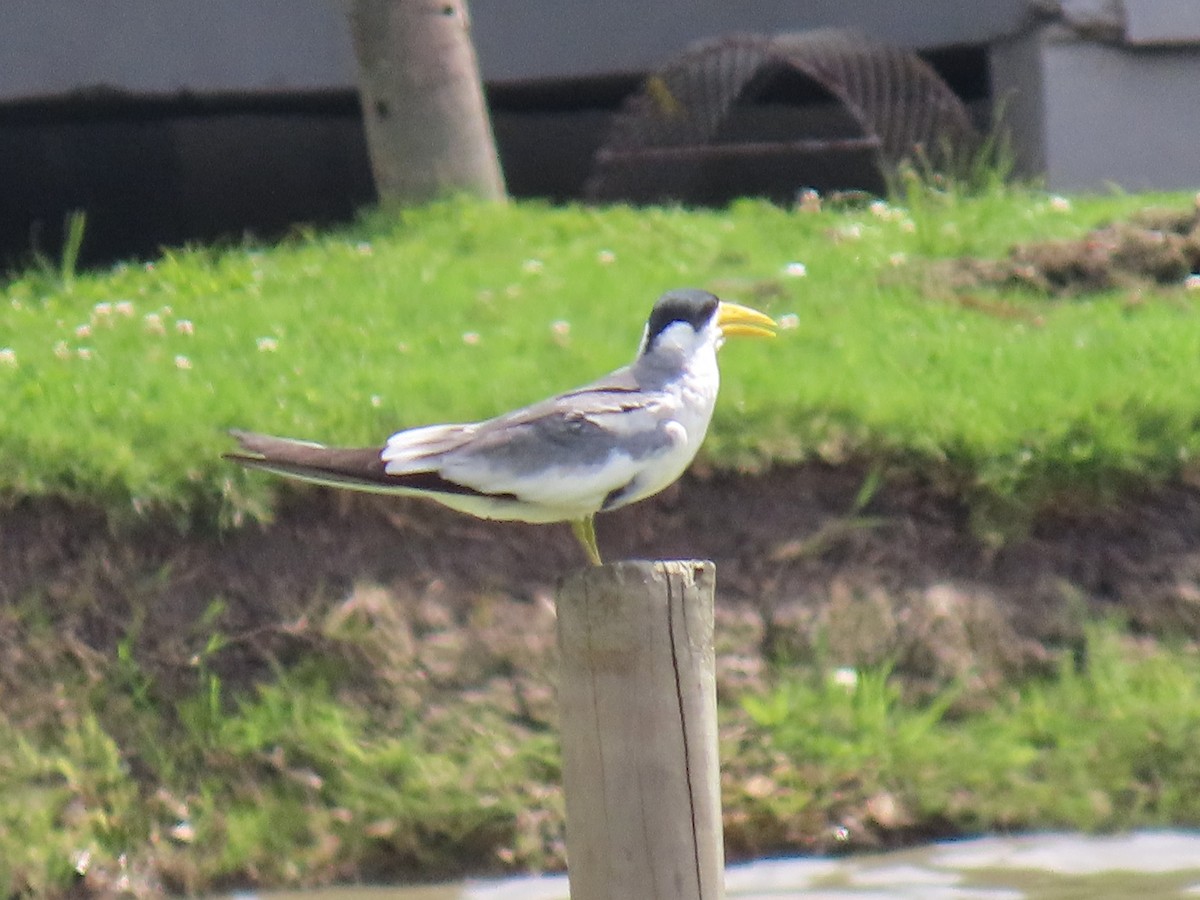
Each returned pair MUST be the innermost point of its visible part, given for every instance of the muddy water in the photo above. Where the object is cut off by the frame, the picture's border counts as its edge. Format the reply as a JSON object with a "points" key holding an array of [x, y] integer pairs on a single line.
{"points": [[1145, 865]]}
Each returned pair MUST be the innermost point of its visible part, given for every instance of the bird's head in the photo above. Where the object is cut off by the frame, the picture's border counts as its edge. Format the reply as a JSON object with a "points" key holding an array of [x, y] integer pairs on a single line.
{"points": [[687, 319]]}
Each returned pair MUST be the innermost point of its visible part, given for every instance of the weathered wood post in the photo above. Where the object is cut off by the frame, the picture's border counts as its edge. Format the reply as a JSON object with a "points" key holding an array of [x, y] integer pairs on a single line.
{"points": [[638, 705]]}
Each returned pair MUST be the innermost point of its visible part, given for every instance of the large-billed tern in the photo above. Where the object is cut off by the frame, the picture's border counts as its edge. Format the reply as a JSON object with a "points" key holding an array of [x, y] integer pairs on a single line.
{"points": [[599, 447]]}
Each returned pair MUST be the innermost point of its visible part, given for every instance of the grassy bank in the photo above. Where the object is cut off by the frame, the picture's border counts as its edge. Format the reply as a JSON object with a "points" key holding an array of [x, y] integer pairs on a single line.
{"points": [[155, 745], [117, 386], [302, 782]]}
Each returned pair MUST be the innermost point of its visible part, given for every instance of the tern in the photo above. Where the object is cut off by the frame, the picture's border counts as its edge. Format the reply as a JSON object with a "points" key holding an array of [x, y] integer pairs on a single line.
{"points": [[599, 447]]}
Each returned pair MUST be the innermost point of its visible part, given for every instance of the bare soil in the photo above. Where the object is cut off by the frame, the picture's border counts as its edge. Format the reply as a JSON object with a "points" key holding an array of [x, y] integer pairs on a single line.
{"points": [[1155, 247], [904, 580]]}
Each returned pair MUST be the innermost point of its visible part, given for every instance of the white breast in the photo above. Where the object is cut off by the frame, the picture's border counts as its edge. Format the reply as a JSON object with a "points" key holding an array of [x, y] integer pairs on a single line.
{"points": [[691, 399]]}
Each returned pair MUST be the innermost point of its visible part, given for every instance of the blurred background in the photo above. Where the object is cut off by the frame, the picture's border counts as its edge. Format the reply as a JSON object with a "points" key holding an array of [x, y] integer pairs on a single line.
{"points": [[168, 121]]}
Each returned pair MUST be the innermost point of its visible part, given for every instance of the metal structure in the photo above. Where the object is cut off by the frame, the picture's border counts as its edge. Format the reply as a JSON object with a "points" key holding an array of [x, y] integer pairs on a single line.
{"points": [[770, 115]]}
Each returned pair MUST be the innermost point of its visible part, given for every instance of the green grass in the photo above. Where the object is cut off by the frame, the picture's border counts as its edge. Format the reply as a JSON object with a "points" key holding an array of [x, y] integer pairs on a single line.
{"points": [[292, 784], [1103, 745], [450, 313], [296, 784]]}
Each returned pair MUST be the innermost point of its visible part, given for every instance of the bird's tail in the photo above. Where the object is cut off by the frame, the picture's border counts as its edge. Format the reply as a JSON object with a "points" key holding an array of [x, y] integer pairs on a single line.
{"points": [[359, 468]]}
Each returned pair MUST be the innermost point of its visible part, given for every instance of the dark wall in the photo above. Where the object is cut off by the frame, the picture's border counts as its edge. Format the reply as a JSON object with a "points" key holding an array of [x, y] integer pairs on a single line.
{"points": [[151, 173], [157, 174]]}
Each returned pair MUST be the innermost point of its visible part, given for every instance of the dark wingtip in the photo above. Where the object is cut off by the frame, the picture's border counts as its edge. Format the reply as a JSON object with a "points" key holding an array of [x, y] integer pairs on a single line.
{"points": [[245, 441]]}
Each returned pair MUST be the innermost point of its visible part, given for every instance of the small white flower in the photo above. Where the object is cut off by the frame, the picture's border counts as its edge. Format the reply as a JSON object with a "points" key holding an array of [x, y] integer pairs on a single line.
{"points": [[182, 362], [154, 323], [532, 266], [808, 201], [788, 321], [267, 344], [8, 356], [1060, 204], [851, 232], [881, 209], [471, 338], [102, 310], [184, 832], [61, 350], [795, 270], [561, 327], [606, 257], [846, 677], [84, 353], [898, 259], [376, 401], [185, 326], [908, 226], [1192, 282], [83, 331], [124, 308]]}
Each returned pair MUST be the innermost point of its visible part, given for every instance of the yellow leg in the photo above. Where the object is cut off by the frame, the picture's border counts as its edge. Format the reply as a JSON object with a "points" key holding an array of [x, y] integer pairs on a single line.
{"points": [[585, 531]]}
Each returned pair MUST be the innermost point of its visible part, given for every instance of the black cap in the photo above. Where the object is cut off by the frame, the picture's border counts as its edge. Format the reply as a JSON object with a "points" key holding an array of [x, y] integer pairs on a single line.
{"points": [[691, 305]]}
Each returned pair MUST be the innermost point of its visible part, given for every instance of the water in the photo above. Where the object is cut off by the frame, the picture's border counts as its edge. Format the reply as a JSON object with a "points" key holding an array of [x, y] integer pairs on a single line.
{"points": [[1159, 865]]}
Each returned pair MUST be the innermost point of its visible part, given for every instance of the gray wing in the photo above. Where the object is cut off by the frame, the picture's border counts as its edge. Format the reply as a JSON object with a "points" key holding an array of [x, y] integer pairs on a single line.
{"points": [[585, 443]]}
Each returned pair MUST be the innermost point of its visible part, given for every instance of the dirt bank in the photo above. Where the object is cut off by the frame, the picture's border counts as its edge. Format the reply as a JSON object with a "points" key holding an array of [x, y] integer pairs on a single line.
{"points": [[903, 579]]}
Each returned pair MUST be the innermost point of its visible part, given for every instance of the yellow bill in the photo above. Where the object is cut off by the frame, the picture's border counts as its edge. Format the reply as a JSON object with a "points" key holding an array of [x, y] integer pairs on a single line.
{"points": [[737, 320]]}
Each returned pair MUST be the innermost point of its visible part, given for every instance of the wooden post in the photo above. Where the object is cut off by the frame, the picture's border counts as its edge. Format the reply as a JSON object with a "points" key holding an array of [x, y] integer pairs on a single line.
{"points": [[638, 701]]}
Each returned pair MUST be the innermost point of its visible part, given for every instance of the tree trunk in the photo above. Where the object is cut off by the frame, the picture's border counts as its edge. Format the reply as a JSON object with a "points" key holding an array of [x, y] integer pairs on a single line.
{"points": [[427, 126]]}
